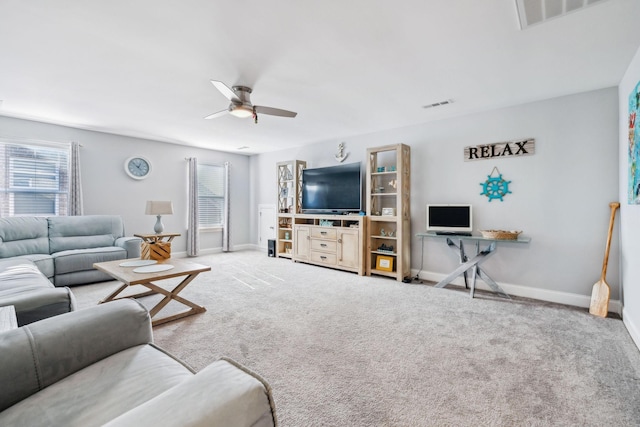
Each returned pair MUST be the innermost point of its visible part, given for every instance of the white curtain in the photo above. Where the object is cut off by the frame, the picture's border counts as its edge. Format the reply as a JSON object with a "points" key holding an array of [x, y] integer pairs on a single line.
{"points": [[75, 206], [226, 231], [193, 241]]}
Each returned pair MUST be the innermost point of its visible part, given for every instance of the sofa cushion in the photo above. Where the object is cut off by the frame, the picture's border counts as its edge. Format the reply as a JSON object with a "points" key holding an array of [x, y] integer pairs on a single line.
{"points": [[33, 304], [23, 236], [100, 392], [240, 398], [44, 262], [21, 274], [83, 259], [33, 295], [38, 355], [83, 232], [81, 278]]}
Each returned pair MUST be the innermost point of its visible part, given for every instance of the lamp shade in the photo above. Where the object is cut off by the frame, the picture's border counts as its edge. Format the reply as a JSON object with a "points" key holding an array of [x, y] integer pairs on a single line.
{"points": [[159, 208], [241, 111]]}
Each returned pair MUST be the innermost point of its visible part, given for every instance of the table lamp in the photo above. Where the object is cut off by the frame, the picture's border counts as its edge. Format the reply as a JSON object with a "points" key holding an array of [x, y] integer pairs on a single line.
{"points": [[159, 208]]}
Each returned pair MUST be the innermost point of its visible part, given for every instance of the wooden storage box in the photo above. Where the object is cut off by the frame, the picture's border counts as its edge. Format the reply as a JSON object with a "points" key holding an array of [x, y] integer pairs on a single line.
{"points": [[158, 250]]}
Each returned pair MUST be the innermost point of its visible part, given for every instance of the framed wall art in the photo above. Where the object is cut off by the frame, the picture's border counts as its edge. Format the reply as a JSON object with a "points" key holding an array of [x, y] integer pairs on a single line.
{"points": [[634, 146]]}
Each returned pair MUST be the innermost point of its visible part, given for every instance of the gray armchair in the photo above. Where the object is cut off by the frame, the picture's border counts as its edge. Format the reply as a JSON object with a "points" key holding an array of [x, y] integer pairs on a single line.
{"points": [[99, 366]]}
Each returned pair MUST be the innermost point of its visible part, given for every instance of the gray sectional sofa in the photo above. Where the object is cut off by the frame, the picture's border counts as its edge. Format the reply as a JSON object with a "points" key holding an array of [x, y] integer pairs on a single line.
{"points": [[40, 257], [64, 248], [33, 296], [99, 366]]}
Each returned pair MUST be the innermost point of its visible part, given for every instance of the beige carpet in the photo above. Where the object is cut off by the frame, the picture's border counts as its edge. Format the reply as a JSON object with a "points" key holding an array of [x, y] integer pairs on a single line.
{"points": [[343, 350]]}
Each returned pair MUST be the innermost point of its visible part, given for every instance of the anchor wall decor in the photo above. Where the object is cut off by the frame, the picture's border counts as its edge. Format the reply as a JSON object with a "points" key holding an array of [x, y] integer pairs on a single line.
{"points": [[340, 155]]}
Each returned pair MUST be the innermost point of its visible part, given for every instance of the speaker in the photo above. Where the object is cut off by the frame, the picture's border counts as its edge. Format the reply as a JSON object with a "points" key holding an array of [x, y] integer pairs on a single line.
{"points": [[271, 248]]}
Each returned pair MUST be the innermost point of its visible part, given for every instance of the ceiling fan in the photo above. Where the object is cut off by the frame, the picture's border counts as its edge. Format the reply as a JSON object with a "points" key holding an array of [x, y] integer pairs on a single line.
{"points": [[241, 104]]}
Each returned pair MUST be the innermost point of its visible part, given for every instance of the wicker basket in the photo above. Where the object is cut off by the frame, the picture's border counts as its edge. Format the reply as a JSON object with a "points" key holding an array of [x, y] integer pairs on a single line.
{"points": [[500, 234]]}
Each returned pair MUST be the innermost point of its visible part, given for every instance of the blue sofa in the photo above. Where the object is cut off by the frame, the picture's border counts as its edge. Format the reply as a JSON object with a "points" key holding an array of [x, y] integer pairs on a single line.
{"points": [[40, 257]]}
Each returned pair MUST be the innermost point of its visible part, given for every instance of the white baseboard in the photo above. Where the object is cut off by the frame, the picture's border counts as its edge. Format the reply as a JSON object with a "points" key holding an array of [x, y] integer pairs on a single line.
{"points": [[526, 292], [566, 298], [633, 329], [210, 251]]}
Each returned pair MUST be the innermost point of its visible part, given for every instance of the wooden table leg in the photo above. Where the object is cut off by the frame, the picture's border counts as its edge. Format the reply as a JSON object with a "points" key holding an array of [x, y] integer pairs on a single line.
{"points": [[114, 294], [173, 295]]}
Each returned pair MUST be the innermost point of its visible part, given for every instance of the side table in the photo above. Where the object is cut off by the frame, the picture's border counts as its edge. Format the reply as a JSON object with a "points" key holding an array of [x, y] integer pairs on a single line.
{"points": [[156, 246]]}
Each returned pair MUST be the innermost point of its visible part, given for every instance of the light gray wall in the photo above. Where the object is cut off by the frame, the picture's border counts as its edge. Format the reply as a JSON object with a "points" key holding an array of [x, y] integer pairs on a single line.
{"points": [[108, 190], [629, 214], [560, 195]]}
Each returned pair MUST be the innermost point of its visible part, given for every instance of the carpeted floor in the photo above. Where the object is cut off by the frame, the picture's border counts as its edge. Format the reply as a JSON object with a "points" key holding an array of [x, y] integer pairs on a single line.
{"points": [[343, 350]]}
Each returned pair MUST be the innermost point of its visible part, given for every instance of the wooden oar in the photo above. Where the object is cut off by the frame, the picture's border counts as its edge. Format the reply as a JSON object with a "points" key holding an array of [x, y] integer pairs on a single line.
{"points": [[600, 293]]}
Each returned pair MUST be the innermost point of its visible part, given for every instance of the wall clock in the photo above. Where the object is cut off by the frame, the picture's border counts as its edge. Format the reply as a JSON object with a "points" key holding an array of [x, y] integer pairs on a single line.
{"points": [[137, 167]]}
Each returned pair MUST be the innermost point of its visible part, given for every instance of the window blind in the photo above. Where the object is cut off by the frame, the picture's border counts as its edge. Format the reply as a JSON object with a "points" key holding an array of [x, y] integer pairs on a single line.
{"points": [[34, 179], [210, 195]]}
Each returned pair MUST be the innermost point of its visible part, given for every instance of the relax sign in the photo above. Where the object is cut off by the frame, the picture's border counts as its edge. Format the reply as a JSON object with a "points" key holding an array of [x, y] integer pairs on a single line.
{"points": [[524, 147]]}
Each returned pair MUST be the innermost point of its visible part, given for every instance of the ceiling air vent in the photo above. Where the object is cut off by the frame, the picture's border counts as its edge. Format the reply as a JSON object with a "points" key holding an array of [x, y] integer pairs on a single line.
{"points": [[532, 12], [438, 104]]}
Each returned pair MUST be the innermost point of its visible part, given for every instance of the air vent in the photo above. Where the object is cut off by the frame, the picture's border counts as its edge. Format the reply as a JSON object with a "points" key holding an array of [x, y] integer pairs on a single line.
{"points": [[531, 12], [438, 104]]}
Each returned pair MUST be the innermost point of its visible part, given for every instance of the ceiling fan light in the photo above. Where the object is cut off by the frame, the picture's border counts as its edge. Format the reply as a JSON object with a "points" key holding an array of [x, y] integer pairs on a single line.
{"points": [[241, 111]]}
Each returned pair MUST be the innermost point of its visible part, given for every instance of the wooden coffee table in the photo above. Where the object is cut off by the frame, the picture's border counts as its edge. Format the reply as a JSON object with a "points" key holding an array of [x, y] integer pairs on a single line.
{"points": [[128, 277]]}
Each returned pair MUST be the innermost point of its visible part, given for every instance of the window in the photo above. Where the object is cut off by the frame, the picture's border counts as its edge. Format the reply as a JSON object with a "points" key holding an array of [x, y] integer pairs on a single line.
{"points": [[34, 179], [210, 195]]}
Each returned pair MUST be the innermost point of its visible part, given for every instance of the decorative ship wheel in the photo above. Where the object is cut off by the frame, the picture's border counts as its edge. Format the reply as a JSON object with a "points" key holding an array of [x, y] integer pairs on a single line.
{"points": [[495, 187]]}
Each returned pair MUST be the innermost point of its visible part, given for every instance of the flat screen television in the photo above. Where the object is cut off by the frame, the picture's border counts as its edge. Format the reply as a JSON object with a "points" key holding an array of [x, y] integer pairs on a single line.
{"points": [[450, 219], [332, 189]]}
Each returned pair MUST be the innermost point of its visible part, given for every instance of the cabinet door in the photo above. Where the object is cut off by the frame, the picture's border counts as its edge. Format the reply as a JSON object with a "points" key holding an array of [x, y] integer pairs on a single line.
{"points": [[349, 248], [301, 243]]}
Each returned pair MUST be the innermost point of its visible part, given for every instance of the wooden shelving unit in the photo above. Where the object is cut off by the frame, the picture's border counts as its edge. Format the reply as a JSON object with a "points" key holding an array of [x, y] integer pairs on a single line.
{"points": [[289, 182], [388, 211]]}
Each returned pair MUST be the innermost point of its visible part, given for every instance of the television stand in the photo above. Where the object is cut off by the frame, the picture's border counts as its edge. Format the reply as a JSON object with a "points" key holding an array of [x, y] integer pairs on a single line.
{"points": [[334, 241]]}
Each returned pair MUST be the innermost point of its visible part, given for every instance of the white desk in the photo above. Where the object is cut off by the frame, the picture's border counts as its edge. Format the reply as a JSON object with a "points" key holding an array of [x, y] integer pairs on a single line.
{"points": [[472, 264]]}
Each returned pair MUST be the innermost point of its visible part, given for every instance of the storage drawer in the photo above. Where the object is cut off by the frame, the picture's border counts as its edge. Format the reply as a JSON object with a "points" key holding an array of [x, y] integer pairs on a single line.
{"points": [[323, 258], [324, 232], [324, 245]]}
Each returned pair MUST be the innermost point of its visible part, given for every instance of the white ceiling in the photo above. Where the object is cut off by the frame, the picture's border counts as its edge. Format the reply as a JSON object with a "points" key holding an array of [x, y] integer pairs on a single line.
{"points": [[348, 67]]}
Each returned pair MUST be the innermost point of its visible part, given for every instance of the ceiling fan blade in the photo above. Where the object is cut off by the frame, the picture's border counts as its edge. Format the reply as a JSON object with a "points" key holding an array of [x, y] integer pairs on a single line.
{"points": [[218, 114], [226, 91], [274, 111]]}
